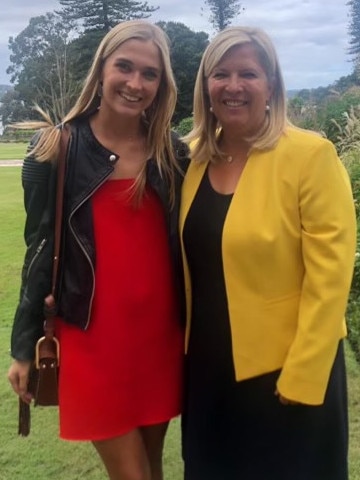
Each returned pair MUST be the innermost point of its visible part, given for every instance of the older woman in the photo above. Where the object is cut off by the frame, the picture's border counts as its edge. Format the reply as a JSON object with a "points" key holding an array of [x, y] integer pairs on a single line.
{"points": [[268, 237]]}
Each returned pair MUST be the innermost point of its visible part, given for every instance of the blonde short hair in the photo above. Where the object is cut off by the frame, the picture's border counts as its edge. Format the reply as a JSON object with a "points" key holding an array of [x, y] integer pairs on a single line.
{"points": [[205, 129]]}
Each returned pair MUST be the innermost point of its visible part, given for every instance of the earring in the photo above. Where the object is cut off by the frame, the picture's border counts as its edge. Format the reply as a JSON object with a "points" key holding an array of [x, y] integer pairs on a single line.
{"points": [[267, 107], [211, 109], [100, 89]]}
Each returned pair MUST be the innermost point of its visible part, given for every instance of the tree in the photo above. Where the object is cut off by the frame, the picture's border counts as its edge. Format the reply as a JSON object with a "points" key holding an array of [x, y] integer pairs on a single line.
{"points": [[40, 65], [82, 51], [186, 50], [354, 29], [12, 108], [103, 14], [223, 11], [345, 82]]}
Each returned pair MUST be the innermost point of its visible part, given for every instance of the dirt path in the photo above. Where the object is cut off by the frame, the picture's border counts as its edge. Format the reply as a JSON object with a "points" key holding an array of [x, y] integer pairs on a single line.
{"points": [[11, 163]]}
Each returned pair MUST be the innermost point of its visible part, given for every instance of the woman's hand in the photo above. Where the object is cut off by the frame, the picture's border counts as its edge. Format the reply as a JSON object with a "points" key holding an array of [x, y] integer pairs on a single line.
{"points": [[18, 376]]}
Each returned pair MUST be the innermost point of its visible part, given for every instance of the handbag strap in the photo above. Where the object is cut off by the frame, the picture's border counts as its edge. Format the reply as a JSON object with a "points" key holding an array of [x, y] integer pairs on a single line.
{"points": [[50, 310], [64, 141]]}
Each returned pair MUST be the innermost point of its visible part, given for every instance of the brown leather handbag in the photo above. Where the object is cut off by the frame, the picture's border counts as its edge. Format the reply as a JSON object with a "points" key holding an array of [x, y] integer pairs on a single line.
{"points": [[43, 377]]}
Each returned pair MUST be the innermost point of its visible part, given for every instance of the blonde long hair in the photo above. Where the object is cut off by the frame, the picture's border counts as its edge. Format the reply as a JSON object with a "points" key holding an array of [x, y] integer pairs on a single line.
{"points": [[157, 117], [206, 129]]}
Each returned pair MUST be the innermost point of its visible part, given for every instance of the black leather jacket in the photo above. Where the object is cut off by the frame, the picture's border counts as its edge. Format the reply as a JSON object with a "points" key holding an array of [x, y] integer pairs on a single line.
{"points": [[88, 166]]}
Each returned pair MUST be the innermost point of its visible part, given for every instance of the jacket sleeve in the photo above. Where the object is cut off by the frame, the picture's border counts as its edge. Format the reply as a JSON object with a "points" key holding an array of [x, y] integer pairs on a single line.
{"points": [[328, 238], [37, 181]]}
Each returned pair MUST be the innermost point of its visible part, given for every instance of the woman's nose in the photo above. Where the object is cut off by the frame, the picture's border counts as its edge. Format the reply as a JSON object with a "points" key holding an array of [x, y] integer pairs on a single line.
{"points": [[234, 83], [134, 81]]}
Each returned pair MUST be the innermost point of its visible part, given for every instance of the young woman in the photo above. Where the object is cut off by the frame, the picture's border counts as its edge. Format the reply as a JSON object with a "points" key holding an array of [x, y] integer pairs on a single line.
{"points": [[121, 339]]}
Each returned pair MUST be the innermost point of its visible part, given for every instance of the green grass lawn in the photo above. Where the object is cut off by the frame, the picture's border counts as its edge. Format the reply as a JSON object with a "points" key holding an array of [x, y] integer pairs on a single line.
{"points": [[42, 455], [12, 151]]}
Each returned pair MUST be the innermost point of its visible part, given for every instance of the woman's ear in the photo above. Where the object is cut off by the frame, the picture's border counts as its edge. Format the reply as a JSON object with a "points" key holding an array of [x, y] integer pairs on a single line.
{"points": [[100, 89]]}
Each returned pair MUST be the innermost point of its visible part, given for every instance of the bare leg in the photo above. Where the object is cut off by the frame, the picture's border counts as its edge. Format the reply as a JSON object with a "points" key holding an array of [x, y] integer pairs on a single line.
{"points": [[154, 436], [125, 457]]}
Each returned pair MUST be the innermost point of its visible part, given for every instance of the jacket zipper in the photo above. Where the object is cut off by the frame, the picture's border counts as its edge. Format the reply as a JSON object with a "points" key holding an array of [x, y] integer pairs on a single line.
{"points": [[81, 246], [37, 253]]}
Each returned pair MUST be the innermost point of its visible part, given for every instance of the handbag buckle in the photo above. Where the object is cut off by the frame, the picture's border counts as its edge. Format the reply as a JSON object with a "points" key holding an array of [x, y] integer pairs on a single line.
{"points": [[47, 348]]}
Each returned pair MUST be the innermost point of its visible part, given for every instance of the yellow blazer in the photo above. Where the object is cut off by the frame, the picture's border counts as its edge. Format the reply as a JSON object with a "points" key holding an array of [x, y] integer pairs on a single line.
{"points": [[288, 250]]}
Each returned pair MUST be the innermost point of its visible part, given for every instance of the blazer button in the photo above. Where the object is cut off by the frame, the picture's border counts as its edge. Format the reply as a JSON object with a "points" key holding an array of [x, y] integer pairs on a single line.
{"points": [[112, 158]]}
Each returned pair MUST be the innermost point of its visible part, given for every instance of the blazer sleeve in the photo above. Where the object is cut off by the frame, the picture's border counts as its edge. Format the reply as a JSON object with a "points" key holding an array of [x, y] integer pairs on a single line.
{"points": [[328, 235], [37, 178]]}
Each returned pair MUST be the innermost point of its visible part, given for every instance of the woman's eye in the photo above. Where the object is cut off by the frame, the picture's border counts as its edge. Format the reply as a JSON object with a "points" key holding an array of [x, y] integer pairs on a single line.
{"points": [[249, 75], [218, 75], [123, 66], [150, 75]]}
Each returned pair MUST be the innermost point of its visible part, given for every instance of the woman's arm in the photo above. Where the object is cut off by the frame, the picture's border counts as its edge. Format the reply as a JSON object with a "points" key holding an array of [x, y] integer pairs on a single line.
{"points": [[328, 246], [36, 271]]}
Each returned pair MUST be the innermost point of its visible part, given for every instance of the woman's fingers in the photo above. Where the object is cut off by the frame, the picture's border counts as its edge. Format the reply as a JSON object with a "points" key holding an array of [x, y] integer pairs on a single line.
{"points": [[18, 376]]}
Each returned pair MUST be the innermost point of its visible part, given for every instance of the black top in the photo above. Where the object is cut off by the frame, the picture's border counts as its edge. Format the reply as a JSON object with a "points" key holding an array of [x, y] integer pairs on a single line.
{"points": [[203, 229]]}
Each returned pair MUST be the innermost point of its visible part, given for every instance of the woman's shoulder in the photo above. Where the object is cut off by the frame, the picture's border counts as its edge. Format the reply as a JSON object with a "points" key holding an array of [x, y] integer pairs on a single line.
{"points": [[305, 150], [34, 171], [301, 138]]}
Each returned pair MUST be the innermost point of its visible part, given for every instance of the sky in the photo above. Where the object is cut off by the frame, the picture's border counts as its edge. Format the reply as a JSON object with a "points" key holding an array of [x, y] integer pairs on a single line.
{"points": [[311, 36]]}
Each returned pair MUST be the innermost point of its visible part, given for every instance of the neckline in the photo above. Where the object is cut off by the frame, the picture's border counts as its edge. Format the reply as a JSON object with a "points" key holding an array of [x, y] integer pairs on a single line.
{"points": [[222, 195], [129, 179]]}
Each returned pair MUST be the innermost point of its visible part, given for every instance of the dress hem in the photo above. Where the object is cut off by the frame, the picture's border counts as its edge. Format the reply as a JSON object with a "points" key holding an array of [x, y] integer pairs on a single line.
{"points": [[95, 438]]}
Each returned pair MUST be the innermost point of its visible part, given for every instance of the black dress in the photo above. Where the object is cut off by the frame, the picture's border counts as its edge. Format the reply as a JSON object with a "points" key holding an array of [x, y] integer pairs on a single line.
{"points": [[239, 430]]}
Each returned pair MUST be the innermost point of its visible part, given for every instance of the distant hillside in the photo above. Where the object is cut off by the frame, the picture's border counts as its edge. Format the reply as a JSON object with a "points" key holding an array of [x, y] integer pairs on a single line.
{"points": [[292, 93]]}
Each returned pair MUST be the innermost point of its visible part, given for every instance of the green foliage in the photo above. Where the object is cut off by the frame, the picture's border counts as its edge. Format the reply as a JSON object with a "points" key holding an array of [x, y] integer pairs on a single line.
{"points": [[3, 90], [40, 65], [346, 82], [103, 14], [184, 127], [349, 134], [81, 53], [223, 12], [326, 110], [43, 34], [302, 113], [332, 113], [13, 109], [186, 50], [11, 135], [351, 160], [353, 324]]}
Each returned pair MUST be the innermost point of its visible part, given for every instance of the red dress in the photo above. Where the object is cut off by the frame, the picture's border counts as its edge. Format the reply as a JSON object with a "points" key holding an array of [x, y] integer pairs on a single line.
{"points": [[125, 371]]}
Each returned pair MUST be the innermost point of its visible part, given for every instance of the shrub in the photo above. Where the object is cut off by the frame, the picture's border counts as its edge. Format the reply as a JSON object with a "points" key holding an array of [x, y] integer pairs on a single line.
{"points": [[184, 127], [351, 159]]}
